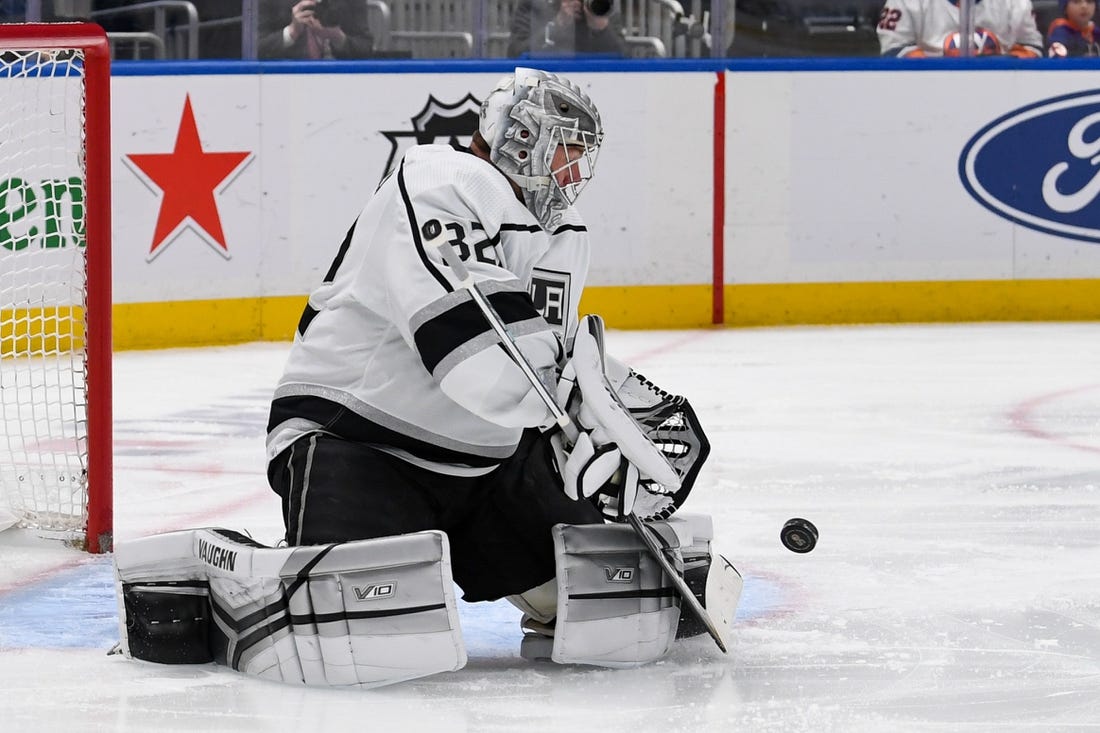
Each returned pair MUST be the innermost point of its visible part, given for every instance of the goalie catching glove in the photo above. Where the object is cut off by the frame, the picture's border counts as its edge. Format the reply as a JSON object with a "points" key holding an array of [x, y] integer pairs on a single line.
{"points": [[621, 464], [671, 425]]}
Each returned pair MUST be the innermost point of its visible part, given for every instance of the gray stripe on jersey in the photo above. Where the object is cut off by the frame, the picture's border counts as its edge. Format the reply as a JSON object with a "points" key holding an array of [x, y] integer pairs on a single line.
{"points": [[438, 307], [484, 341], [305, 487], [286, 432], [290, 496], [448, 469], [464, 352], [390, 422]]}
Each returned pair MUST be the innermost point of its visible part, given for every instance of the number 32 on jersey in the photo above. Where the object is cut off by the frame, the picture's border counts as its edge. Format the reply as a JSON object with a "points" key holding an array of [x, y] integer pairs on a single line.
{"points": [[482, 251]]}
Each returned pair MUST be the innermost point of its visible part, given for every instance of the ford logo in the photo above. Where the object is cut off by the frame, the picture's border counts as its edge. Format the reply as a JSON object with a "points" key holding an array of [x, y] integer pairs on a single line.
{"points": [[1039, 166]]}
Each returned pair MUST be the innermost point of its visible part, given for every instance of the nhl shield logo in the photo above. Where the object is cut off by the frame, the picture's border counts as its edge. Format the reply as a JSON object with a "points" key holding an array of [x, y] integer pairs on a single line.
{"points": [[438, 122]]}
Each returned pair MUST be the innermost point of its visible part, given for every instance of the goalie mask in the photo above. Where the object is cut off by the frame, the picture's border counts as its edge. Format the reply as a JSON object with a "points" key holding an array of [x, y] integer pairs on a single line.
{"points": [[544, 133]]}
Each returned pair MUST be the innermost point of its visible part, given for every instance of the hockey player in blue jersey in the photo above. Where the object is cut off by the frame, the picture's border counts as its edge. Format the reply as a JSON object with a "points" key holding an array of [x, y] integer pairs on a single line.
{"points": [[1073, 34]]}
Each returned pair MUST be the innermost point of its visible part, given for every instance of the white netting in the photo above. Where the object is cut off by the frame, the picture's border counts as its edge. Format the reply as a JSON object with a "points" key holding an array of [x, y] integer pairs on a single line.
{"points": [[43, 396]]}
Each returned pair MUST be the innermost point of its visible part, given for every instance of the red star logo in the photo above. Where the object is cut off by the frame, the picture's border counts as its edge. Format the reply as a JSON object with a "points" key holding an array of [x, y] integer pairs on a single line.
{"points": [[188, 177]]}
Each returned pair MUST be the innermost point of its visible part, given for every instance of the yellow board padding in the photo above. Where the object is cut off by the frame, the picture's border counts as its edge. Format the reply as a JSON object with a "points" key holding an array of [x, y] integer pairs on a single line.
{"points": [[239, 320], [41, 331], [912, 302], [206, 322], [650, 306], [274, 318]]}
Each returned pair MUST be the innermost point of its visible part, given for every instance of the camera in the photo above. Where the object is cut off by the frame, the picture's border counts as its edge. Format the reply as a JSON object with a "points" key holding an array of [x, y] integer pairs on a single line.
{"points": [[598, 7], [328, 12]]}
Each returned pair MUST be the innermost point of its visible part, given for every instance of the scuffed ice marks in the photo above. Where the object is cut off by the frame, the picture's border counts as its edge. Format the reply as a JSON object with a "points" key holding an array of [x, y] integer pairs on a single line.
{"points": [[192, 430]]}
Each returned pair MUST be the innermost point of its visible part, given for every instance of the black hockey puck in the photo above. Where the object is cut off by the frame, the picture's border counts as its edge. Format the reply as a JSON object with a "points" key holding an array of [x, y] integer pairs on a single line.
{"points": [[798, 535]]}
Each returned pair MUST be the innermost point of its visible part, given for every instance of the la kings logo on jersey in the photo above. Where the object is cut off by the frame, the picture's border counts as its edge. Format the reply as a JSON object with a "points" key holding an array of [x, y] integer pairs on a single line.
{"points": [[550, 291], [438, 123]]}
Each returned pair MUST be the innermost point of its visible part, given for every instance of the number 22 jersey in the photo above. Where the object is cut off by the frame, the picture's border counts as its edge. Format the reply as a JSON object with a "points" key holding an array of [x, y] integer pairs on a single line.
{"points": [[931, 28]]}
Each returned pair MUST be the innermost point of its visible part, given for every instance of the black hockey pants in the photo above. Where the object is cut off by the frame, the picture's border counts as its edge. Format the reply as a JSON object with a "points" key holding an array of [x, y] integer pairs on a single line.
{"points": [[335, 490]]}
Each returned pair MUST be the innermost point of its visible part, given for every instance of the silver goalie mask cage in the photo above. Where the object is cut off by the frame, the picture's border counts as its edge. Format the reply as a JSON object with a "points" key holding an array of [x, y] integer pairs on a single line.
{"points": [[544, 133]]}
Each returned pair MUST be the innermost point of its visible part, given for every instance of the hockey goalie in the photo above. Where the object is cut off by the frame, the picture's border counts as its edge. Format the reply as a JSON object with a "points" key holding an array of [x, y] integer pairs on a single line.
{"points": [[412, 453]]}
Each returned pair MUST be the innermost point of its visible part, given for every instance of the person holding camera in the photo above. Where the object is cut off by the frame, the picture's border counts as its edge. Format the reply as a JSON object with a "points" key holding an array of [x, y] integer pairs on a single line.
{"points": [[316, 29], [565, 28]]}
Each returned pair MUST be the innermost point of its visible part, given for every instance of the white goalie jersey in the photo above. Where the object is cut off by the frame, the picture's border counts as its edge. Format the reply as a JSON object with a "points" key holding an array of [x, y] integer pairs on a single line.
{"points": [[914, 28], [392, 352]]}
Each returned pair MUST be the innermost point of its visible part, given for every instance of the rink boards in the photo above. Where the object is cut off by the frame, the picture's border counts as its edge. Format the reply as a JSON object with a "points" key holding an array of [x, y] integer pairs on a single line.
{"points": [[745, 194]]}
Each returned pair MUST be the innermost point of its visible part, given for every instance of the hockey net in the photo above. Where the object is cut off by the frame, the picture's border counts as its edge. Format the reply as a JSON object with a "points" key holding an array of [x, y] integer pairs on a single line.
{"points": [[55, 340]]}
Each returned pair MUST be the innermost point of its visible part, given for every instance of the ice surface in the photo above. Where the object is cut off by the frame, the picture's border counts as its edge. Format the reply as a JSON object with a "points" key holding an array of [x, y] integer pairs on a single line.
{"points": [[953, 472]]}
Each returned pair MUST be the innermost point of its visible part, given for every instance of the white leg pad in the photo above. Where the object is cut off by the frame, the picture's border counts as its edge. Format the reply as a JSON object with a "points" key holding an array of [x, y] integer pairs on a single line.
{"points": [[357, 614], [616, 608], [163, 600]]}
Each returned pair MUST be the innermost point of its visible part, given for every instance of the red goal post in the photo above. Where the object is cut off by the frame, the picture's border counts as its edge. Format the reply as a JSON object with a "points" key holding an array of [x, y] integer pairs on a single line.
{"points": [[55, 281]]}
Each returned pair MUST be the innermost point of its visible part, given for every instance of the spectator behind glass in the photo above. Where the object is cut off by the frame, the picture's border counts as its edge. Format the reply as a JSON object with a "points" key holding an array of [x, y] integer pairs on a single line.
{"points": [[564, 28], [1072, 34], [915, 28], [314, 29]]}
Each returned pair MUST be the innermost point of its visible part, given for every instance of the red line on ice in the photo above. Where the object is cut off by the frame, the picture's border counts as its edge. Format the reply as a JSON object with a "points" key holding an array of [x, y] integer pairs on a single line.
{"points": [[670, 346], [202, 518], [1021, 418]]}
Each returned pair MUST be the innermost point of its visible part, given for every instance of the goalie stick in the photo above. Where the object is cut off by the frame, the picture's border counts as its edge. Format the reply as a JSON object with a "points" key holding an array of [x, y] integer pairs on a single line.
{"points": [[570, 430]]}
